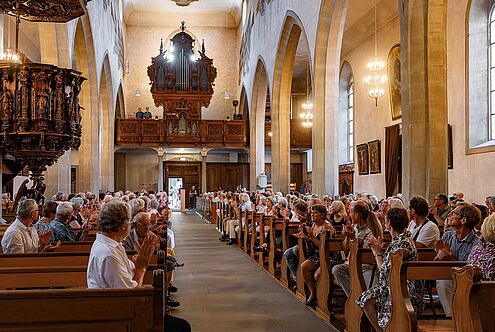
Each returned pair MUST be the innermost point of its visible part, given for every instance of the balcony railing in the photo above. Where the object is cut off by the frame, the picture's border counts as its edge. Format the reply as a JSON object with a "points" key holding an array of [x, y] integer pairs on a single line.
{"points": [[133, 132]]}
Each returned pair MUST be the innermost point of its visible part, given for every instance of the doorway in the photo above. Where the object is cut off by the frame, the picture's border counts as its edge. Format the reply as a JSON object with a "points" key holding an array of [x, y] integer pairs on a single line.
{"points": [[174, 187], [189, 172]]}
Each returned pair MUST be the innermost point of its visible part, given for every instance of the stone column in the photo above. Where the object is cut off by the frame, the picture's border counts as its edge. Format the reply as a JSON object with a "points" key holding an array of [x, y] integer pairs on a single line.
{"points": [[64, 168], [161, 156], [424, 98], [281, 151], [257, 127], [204, 155]]}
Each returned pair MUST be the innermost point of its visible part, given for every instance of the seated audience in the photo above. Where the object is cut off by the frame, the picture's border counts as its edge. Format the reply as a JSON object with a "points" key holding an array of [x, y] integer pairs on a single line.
{"points": [[234, 224], [376, 301], [292, 253], [456, 244], [20, 237], [364, 226], [483, 253], [440, 209], [49, 213], [490, 202], [424, 232], [60, 225], [338, 216], [310, 267]]}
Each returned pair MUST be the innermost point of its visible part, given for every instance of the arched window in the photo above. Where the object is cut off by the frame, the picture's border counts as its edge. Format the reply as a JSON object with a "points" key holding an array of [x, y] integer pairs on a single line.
{"points": [[480, 34], [350, 121], [346, 115], [244, 12], [491, 38]]}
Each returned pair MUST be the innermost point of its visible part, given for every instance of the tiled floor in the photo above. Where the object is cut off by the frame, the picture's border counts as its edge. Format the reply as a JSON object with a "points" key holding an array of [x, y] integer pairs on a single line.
{"points": [[222, 289]]}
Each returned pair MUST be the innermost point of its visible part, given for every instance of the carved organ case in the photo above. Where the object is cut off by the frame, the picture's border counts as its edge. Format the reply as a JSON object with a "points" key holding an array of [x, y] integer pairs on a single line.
{"points": [[182, 83]]}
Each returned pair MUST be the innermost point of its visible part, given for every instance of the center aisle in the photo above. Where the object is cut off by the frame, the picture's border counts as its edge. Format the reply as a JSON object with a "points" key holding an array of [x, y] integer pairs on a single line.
{"points": [[222, 289]]}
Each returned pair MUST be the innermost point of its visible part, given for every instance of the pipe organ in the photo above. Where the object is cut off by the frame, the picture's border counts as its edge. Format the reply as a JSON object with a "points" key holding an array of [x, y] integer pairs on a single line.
{"points": [[182, 82]]}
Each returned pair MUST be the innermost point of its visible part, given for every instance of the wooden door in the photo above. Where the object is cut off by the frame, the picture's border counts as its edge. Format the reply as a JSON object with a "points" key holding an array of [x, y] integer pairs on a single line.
{"points": [[190, 172]]}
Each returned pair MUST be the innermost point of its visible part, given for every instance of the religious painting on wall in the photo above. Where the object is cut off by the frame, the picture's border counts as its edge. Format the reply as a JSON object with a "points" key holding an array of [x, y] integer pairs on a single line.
{"points": [[375, 157], [362, 155], [394, 82]]}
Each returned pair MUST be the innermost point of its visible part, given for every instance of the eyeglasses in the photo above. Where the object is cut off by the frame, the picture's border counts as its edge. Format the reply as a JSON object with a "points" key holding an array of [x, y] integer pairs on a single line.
{"points": [[457, 213]]}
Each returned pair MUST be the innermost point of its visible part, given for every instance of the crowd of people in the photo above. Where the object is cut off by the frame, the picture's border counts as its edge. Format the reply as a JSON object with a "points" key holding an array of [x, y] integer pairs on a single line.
{"points": [[456, 229], [126, 221]]}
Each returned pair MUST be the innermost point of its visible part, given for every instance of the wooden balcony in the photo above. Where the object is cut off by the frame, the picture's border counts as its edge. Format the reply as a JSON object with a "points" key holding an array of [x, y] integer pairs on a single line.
{"points": [[211, 133]]}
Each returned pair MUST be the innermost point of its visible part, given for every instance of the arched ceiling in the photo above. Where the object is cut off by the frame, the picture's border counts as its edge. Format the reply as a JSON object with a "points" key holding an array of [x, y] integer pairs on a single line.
{"points": [[203, 12]]}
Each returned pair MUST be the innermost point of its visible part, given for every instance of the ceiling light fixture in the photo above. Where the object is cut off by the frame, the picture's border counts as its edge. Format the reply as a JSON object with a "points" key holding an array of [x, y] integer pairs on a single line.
{"points": [[183, 3], [307, 115], [376, 79]]}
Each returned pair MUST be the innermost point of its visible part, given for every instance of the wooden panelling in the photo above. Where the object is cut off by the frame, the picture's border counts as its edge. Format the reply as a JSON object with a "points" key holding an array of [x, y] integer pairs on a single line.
{"points": [[227, 175], [190, 172], [295, 174], [173, 132]]}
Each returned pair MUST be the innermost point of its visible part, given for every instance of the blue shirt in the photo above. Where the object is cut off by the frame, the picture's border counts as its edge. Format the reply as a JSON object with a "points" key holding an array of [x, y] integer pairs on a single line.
{"points": [[61, 232], [463, 247]]}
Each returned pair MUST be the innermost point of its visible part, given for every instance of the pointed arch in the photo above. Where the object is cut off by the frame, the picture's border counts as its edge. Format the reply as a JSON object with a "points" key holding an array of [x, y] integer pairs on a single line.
{"points": [[281, 98], [106, 126], [329, 36], [83, 60], [257, 123], [346, 114], [243, 104]]}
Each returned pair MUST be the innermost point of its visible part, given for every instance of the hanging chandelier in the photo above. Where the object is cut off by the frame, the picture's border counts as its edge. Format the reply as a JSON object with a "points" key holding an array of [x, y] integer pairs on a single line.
{"points": [[376, 79], [307, 115], [40, 116]]}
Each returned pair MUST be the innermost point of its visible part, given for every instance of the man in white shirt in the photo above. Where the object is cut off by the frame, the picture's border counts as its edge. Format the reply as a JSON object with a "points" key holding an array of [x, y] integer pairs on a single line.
{"points": [[424, 232], [108, 265], [20, 237]]}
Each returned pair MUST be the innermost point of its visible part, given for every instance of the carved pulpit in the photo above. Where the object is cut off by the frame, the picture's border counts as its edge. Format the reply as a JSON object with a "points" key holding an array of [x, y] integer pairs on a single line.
{"points": [[182, 83]]}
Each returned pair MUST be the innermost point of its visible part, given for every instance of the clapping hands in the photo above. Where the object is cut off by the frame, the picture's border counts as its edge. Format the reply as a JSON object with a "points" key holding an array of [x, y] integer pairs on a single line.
{"points": [[145, 250], [444, 252], [375, 244]]}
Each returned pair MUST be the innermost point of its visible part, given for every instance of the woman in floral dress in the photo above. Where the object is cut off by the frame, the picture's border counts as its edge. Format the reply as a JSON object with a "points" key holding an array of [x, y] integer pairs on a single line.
{"points": [[483, 254], [376, 301]]}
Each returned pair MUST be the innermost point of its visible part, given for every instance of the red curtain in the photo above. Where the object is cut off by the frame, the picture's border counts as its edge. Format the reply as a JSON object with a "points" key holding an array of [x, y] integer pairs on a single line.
{"points": [[391, 158]]}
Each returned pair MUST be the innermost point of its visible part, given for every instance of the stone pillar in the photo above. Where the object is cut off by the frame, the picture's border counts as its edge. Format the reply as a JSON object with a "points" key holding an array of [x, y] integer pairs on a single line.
{"points": [[64, 168], [281, 151], [204, 155], [257, 127], [161, 156], [424, 98]]}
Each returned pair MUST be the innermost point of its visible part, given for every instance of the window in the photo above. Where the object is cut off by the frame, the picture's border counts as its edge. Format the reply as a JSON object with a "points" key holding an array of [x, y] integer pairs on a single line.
{"points": [[350, 121], [480, 133], [345, 115], [244, 13], [491, 38]]}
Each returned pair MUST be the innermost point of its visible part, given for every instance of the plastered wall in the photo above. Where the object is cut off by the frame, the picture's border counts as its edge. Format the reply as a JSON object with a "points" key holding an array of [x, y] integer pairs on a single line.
{"points": [[143, 43]]}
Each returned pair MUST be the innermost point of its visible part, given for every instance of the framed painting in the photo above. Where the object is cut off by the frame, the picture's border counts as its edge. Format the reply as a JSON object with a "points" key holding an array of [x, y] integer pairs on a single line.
{"points": [[394, 82], [375, 157], [362, 159]]}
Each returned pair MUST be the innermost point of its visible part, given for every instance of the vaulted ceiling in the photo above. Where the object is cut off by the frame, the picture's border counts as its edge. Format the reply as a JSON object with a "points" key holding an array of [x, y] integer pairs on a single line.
{"points": [[202, 12]]}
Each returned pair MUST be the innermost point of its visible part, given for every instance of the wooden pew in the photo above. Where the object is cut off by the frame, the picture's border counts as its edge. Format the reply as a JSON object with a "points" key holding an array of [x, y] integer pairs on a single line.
{"points": [[276, 227], [246, 236], [473, 301], [73, 276], [290, 228], [254, 239], [213, 213], [78, 310], [48, 259], [357, 257], [301, 285], [403, 317], [325, 286], [265, 221]]}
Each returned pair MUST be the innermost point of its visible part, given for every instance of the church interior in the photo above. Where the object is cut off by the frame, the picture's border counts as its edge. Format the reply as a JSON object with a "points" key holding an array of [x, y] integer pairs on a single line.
{"points": [[340, 148]]}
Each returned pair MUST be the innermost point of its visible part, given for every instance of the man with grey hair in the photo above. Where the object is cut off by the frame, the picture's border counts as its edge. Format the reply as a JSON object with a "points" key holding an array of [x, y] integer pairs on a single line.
{"points": [[60, 225], [20, 237], [137, 205], [142, 226]]}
